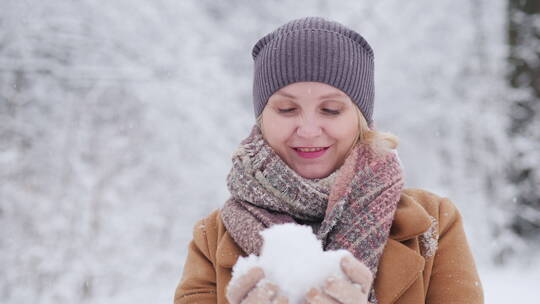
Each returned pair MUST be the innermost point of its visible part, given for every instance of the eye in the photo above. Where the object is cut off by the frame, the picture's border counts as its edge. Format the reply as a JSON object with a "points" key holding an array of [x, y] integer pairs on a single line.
{"points": [[332, 112], [286, 110]]}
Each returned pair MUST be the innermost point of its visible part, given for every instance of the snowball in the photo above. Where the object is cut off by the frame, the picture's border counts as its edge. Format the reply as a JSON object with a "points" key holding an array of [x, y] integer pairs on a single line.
{"points": [[292, 258]]}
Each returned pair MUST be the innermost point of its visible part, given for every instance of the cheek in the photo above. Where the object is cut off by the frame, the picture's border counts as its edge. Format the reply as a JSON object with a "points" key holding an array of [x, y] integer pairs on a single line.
{"points": [[344, 130], [277, 131]]}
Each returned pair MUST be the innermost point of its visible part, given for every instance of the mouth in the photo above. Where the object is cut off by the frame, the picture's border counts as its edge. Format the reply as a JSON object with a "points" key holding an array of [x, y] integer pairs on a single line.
{"points": [[310, 152]]}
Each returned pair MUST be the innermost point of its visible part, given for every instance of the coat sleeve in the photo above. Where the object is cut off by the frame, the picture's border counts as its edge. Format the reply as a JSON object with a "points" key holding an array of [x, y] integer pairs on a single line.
{"points": [[198, 283], [454, 278]]}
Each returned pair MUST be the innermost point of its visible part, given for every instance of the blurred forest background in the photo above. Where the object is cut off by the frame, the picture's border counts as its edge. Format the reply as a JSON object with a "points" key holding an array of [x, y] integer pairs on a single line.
{"points": [[118, 120]]}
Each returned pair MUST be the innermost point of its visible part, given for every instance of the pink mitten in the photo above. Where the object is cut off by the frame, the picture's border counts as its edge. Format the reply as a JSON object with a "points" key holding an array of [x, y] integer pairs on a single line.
{"points": [[353, 290], [246, 291]]}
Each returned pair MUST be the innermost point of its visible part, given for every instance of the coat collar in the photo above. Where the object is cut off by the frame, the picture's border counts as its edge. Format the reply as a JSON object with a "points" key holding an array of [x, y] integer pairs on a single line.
{"points": [[399, 266], [410, 219]]}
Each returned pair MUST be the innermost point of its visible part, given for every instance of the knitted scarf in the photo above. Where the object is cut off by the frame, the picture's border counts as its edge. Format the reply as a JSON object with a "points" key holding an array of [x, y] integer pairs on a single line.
{"points": [[352, 208]]}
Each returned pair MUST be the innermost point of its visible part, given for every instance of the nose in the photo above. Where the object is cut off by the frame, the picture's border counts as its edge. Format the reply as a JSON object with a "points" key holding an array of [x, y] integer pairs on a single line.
{"points": [[308, 128]]}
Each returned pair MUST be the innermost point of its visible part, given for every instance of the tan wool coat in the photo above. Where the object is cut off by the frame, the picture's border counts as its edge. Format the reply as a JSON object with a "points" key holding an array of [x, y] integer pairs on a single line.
{"points": [[427, 258]]}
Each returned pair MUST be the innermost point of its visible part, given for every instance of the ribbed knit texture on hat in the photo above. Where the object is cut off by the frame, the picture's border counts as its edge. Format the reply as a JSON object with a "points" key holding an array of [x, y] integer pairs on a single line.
{"points": [[314, 49]]}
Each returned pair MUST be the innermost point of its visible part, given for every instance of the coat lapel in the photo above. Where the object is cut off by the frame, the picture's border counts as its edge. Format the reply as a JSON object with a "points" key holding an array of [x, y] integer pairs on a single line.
{"points": [[228, 252], [400, 265]]}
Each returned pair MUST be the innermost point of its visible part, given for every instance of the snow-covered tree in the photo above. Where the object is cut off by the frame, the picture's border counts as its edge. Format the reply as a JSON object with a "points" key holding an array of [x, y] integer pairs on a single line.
{"points": [[118, 120]]}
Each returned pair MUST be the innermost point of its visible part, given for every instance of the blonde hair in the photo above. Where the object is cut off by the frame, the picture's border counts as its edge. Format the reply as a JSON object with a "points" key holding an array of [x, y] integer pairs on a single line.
{"points": [[380, 142]]}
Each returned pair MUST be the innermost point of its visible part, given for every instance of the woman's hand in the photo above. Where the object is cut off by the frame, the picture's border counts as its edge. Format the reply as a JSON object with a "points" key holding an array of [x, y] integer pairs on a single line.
{"points": [[355, 290], [246, 291]]}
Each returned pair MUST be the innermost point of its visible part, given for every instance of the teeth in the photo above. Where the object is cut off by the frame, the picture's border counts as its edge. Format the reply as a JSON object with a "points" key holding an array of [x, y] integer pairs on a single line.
{"points": [[309, 149]]}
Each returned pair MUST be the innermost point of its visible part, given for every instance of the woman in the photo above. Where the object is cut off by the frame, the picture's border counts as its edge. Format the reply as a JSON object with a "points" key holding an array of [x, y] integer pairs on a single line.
{"points": [[314, 158]]}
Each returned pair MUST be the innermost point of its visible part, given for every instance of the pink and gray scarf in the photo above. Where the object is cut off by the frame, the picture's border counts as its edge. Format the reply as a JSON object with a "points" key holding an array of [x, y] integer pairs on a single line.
{"points": [[353, 208]]}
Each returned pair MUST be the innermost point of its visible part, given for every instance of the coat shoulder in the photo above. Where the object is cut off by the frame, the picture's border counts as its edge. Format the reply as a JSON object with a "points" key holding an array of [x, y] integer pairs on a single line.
{"points": [[207, 232], [209, 221], [210, 227], [223, 250], [435, 205], [453, 271]]}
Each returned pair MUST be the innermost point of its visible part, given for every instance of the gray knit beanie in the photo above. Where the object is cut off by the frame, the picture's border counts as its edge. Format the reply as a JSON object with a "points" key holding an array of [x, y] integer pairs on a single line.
{"points": [[314, 49]]}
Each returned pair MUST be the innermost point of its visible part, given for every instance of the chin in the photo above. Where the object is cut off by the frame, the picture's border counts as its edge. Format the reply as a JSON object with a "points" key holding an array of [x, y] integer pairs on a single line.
{"points": [[314, 173]]}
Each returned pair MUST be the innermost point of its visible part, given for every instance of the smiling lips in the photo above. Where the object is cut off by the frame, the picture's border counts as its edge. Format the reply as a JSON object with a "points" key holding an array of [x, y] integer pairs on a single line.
{"points": [[310, 152]]}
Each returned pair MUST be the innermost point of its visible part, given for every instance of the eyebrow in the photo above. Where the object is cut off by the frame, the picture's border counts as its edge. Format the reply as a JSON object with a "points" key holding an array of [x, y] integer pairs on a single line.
{"points": [[322, 97]]}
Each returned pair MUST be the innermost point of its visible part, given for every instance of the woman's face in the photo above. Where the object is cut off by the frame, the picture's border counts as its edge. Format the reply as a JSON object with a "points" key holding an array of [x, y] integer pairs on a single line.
{"points": [[311, 126]]}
